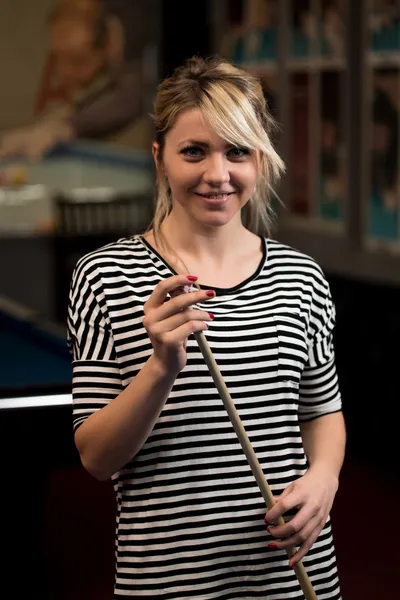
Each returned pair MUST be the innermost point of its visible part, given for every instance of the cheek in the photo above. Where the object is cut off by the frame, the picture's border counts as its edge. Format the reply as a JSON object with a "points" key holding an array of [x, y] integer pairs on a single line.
{"points": [[182, 176], [245, 177]]}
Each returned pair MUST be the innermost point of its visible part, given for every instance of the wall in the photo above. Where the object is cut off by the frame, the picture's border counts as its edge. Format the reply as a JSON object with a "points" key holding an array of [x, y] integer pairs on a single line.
{"points": [[22, 54]]}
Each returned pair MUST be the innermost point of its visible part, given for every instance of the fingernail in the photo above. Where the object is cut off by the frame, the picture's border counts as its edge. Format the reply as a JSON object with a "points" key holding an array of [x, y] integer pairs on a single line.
{"points": [[211, 316], [269, 529], [210, 293], [192, 278], [292, 564], [272, 546]]}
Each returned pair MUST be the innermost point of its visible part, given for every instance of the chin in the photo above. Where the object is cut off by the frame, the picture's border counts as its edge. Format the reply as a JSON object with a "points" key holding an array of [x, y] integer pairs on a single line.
{"points": [[206, 217], [216, 220]]}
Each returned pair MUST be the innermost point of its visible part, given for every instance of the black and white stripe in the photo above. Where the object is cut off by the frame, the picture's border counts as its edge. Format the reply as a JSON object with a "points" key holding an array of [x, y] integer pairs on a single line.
{"points": [[190, 516]]}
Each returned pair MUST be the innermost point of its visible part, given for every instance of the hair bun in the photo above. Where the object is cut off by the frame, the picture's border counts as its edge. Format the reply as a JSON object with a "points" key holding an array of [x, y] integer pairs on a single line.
{"points": [[195, 66]]}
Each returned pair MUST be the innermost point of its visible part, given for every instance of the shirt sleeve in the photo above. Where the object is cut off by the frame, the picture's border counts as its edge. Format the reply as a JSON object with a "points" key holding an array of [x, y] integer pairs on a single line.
{"points": [[96, 377], [319, 392], [113, 108]]}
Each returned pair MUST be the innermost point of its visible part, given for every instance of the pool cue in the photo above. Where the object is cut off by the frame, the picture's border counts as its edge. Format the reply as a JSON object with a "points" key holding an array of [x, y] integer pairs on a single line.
{"points": [[304, 581]]}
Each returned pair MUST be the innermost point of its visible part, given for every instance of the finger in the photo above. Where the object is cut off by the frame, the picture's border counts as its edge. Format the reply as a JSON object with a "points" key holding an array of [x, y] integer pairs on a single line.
{"points": [[181, 334], [304, 548], [267, 518], [274, 501], [180, 290], [304, 515], [299, 537], [177, 320], [284, 504], [166, 286], [183, 302], [180, 303]]}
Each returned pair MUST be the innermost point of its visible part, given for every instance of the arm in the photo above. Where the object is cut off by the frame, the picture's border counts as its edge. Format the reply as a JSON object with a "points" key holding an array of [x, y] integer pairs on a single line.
{"points": [[324, 441], [323, 432], [35, 140], [313, 494], [108, 112], [113, 435], [113, 108], [113, 423]]}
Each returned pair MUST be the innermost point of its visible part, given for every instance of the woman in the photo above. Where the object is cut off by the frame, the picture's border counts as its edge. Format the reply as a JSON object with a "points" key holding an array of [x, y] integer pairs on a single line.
{"points": [[190, 519]]}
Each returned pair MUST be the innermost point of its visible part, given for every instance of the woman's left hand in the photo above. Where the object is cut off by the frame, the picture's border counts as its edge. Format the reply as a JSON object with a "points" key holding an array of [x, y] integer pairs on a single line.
{"points": [[313, 496]]}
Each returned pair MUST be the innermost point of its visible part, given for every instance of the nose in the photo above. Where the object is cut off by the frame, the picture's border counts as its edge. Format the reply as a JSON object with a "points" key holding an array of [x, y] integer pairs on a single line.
{"points": [[216, 170]]}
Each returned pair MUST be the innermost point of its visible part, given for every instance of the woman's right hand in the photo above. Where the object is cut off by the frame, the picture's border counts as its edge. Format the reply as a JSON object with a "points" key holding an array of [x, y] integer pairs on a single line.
{"points": [[169, 324]]}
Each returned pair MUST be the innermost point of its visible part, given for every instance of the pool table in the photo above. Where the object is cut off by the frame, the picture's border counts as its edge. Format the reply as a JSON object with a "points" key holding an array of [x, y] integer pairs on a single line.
{"points": [[35, 362], [78, 198], [83, 175], [36, 440]]}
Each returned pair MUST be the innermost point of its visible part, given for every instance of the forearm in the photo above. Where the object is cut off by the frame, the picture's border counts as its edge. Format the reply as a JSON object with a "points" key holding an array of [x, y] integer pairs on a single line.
{"points": [[111, 437], [324, 441], [59, 122]]}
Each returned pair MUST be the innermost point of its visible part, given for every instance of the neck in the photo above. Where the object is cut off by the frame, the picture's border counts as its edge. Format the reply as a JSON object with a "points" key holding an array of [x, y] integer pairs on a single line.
{"points": [[205, 243]]}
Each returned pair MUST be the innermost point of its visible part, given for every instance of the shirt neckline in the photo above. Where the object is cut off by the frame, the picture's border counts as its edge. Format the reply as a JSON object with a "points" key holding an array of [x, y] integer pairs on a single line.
{"points": [[218, 290]]}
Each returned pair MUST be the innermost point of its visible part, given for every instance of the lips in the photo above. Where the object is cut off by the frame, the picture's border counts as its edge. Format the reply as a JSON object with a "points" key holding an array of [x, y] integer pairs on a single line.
{"points": [[215, 195]]}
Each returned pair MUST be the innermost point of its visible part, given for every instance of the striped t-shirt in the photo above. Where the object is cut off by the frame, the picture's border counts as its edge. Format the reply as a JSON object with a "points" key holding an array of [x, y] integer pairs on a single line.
{"points": [[190, 517]]}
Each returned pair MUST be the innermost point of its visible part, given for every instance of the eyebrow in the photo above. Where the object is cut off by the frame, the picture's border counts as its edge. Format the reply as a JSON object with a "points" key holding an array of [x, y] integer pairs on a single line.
{"points": [[194, 143]]}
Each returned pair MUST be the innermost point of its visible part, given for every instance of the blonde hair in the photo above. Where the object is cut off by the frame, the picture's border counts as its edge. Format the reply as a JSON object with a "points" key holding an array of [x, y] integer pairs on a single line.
{"points": [[233, 103]]}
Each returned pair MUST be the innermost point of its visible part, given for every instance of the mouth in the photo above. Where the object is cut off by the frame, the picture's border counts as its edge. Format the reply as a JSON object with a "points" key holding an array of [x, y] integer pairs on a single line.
{"points": [[215, 197]]}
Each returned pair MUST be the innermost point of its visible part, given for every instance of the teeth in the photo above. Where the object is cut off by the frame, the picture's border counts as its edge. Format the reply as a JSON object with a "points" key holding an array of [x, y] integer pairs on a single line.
{"points": [[214, 196]]}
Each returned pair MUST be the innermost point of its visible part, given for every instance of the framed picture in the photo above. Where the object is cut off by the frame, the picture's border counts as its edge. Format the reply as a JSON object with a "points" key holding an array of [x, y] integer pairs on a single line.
{"points": [[383, 120]]}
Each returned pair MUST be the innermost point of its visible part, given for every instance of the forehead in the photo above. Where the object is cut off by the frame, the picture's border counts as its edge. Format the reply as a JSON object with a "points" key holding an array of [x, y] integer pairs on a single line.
{"points": [[70, 34], [191, 125]]}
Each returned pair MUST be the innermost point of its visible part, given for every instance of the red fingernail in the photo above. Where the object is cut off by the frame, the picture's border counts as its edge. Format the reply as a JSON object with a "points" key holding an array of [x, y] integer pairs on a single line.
{"points": [[211, 316], [272, 546], [210, 293], [192, 278], [269, 529], [292, 564]]}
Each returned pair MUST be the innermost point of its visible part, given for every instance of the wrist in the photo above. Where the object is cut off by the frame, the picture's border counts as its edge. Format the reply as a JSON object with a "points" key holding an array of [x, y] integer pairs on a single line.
{"points": [[159, 371], [325, 471]]}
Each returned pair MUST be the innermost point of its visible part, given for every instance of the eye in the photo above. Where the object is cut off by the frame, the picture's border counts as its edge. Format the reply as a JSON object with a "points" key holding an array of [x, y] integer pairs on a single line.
{"points": [[238, 153], [192, 152]]}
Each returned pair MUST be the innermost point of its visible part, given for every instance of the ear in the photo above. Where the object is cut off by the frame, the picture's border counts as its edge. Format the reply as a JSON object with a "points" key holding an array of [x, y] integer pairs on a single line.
{"points": [[157, 158]]}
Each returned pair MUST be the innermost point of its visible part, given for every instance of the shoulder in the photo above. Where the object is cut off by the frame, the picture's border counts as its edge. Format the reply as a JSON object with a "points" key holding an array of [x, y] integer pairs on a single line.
{"points": [[117, 256], [294, 269], [298, 272], [289, 260]]}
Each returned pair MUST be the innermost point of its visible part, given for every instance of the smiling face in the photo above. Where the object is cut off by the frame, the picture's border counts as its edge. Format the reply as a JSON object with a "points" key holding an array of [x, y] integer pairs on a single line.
{"points": [[210, 179]]}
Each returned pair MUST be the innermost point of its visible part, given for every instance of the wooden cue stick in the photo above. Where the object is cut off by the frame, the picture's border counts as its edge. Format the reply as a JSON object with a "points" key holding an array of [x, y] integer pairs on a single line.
{"points": [[255, 466]]}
